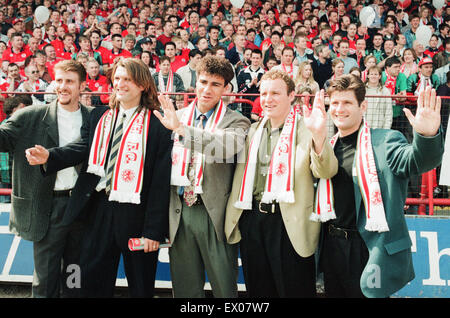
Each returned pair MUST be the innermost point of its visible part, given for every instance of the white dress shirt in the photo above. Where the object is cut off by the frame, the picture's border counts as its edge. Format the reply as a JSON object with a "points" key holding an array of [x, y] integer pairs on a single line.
{"points": [[69, 124]]}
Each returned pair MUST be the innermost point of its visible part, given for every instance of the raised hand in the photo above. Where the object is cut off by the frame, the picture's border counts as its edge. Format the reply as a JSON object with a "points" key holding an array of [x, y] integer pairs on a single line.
{"points": [[428, 114], [316, 120], [37, 155], [170, 119]]}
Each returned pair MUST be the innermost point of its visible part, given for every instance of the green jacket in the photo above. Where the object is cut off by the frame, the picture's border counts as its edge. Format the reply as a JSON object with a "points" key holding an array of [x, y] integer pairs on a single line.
{"points": [[390, 265], [414, 78]]}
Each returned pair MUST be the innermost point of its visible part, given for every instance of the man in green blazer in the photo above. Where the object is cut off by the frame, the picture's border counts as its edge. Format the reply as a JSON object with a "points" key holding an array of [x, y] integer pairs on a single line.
{"points": [[268, 210], [366, 249], [38, 202]]}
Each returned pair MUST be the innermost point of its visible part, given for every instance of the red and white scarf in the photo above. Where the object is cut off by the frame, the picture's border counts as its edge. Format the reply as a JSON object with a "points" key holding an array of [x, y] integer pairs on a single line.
{"points": [[168, 88], [413, 70], [280, 178], [291, 69], [366, 172], [181, 155], [422, 84], [128, 174], [390, 83]]}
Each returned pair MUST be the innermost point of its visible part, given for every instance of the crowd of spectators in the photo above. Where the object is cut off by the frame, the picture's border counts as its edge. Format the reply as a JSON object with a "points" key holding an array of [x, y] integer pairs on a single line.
{"points": [[312, 40]]}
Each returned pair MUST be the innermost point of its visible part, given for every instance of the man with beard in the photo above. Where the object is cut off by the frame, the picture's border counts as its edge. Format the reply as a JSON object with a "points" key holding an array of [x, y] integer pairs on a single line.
{"points": [[38, 202]]}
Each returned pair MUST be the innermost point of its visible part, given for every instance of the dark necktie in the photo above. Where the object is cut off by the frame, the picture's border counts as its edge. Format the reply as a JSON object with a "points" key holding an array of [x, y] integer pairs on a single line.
{"points": [[114, 151]]}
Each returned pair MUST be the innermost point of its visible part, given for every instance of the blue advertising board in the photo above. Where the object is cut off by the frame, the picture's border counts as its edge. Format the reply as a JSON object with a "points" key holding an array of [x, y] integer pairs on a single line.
{"points": [[429, 235]]}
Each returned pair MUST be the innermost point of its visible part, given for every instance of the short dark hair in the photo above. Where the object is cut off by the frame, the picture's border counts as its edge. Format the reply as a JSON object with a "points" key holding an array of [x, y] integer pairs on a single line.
{"points": [[218, 66], [392, 61], [348, 82], [194, 52]]}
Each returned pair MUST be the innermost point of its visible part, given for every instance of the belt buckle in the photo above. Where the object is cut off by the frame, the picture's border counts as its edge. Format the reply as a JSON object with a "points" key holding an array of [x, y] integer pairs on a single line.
{"points": [[259, 206]]}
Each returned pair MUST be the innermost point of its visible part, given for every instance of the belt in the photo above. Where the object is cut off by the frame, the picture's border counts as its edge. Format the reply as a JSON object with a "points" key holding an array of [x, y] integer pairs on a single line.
{"points": [[342, 233], [62, 193], [267, 208]]}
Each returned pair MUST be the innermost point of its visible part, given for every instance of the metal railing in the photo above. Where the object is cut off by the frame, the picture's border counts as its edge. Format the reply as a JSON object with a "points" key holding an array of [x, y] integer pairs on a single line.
{"points": [[421, 189]]}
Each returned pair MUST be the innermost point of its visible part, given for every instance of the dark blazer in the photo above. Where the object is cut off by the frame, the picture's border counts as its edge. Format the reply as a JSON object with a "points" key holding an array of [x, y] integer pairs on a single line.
{"points": [[153, 209], [32, 193], [233, 56]]}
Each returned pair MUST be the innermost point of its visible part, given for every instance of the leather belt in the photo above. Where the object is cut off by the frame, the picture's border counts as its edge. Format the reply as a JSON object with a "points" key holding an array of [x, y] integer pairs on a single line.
{"points": [[62, 193], [267, 208], [342, 233]]}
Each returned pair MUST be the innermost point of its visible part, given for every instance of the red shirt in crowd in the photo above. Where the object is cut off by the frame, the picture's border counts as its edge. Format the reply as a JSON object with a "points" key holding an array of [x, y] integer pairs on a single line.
{"points": [[112, 56], [96, 84], [11, 57]]}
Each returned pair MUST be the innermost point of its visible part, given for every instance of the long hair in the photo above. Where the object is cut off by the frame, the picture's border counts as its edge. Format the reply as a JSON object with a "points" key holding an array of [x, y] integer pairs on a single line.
{"points": [[301, 68], [140, 75]]}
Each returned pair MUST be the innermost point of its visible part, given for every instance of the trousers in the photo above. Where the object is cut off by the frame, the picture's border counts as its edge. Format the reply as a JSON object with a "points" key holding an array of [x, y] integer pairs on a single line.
{"points": [[271, 266], [196, 250], [110, 224], [59, 248]]}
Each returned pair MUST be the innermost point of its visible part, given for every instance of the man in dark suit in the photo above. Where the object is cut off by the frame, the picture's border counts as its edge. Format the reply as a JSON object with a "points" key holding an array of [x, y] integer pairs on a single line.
{"points": [[123, 188], [38, 203], [321, 66]]}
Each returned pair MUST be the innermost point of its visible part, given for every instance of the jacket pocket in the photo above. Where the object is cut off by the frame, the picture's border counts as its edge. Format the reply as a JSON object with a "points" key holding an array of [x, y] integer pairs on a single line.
{"points": [[398, 246], [21, 213]]}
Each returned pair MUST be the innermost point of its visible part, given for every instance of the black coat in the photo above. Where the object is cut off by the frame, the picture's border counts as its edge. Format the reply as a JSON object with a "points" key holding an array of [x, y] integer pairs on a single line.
{"points": [[152, 212]]}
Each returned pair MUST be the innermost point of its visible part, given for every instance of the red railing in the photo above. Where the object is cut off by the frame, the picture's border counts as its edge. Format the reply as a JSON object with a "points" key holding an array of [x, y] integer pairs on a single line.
{"points": [[426, 193]]}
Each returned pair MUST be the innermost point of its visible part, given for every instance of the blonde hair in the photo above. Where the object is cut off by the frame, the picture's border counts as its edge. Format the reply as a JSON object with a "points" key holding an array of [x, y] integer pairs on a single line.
{"points": [[301, 68]]}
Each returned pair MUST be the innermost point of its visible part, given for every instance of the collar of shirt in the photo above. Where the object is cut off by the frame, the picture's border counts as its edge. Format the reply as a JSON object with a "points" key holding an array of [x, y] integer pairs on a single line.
{"points": [[197, 114], [128, 113]]}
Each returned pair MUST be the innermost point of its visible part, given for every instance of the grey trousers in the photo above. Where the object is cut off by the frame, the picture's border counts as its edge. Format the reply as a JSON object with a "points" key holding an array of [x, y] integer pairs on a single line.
{"points": [[59, 248], [196, 249]]}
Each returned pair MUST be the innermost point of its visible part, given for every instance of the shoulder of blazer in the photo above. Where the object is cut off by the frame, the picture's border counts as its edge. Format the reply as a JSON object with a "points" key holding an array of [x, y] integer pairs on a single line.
{"points": [[35, 110], [98, 111]]}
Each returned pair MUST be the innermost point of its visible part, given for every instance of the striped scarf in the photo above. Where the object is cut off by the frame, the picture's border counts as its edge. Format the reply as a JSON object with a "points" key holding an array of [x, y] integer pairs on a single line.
{"points": [[366, 172], [128, 174], [181, 155], [280, 178]]}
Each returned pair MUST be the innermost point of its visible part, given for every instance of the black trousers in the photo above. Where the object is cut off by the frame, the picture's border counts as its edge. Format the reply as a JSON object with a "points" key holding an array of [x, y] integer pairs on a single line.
{"points": [[59, 248], [110, 225], [271, 267], [342, 262]]}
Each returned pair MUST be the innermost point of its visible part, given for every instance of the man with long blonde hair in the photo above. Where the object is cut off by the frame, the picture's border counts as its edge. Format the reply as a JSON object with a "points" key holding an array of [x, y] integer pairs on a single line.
{"points": [[123, 189]]}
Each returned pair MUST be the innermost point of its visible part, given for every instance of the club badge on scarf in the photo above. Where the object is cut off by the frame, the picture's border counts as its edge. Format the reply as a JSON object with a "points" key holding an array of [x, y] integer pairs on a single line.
{"points": [[127, 178], [369, 185], [280, 178], [182, 155]]}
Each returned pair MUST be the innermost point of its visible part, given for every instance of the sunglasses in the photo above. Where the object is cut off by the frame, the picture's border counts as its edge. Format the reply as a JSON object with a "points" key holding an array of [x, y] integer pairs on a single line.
{"points": [[34, 72]]}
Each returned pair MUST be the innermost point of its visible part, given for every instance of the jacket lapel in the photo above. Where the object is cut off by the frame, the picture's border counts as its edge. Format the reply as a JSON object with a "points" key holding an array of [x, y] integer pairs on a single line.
{"points": [[51, 121]]}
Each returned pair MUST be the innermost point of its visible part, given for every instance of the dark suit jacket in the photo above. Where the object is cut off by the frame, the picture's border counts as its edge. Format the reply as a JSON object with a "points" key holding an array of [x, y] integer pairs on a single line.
{"points": [[153, 209], [32, 193], [232, 55]]}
